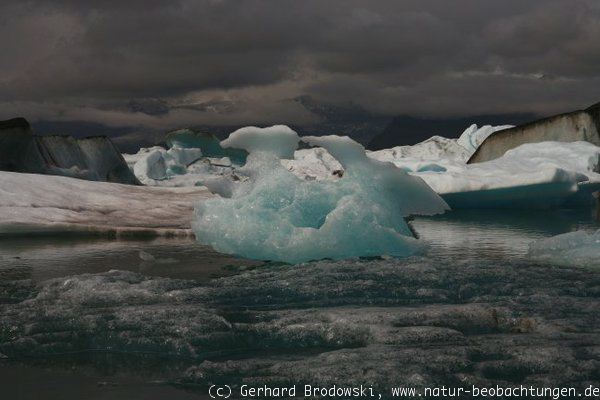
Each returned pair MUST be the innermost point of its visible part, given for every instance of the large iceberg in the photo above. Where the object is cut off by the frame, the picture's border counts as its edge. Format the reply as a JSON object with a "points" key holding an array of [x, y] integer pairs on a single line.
{"points": [[538, 175], [276, 215], [92, 158], [578, 249], [534, 175]]}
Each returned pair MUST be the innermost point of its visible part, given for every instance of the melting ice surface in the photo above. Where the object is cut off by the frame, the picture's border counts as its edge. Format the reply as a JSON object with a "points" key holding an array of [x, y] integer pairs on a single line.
{"points": [[579, 249], [275, 215]]}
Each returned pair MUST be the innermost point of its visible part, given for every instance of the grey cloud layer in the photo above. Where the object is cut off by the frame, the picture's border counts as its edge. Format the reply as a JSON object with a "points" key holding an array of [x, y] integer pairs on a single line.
{"points": [[87, 60]]}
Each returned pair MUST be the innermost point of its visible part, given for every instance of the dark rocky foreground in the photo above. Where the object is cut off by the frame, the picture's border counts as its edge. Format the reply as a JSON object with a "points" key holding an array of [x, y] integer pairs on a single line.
{"points": [[93, 158], [382, 323]]}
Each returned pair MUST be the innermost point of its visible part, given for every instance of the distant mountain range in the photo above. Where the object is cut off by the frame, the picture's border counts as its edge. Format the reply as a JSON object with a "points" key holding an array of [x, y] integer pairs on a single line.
{"points": [[373, 131], [347, 119]]}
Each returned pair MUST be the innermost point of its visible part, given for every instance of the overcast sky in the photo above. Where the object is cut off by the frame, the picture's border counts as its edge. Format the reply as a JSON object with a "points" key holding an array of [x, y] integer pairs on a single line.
{"points": [[151, 63]]}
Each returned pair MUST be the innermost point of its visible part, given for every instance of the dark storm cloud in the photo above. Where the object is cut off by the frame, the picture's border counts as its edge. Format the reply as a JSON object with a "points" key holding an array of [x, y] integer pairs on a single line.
{"points": [[219, 62]]}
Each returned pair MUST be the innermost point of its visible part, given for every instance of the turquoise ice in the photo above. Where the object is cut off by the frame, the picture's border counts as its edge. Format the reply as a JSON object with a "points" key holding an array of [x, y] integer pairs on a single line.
{"points": [[274, 215]]}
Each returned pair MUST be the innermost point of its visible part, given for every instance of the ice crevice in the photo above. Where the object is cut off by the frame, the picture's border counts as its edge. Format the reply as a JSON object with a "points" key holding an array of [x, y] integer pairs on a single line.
{"points": [[275, 215]]}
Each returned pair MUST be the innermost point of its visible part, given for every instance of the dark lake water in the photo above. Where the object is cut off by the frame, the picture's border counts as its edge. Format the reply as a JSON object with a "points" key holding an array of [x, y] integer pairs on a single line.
{"points": [[95, 319]]}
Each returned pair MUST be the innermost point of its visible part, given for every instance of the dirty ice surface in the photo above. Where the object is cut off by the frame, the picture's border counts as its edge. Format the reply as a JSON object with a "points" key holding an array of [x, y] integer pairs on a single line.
{"points": [[34, 204]]}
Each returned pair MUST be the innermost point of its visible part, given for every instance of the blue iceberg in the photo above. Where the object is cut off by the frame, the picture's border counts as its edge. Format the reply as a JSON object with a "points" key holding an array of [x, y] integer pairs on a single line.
{"points": [[274, 215]]}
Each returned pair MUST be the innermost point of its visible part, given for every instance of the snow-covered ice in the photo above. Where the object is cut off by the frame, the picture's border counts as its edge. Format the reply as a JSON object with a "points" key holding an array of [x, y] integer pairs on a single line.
{"points": [[178, 166], [131, 159], [275, 215], [434, 148], [314, 164], [579, 249], [31, 203], [539, 175], [441, 148], [545, 175], [157, 164]]}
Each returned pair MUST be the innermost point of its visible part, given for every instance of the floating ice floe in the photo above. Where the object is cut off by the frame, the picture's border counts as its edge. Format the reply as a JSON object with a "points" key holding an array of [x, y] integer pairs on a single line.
{"points": [[191, 159], [177, 166], [538, 175], [533, 175], [578, 249], [31, 203], [275, 215]]}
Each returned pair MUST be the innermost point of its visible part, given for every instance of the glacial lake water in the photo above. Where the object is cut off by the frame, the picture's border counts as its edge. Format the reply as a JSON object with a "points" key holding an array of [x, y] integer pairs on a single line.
{"points": [[89, 318]]}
